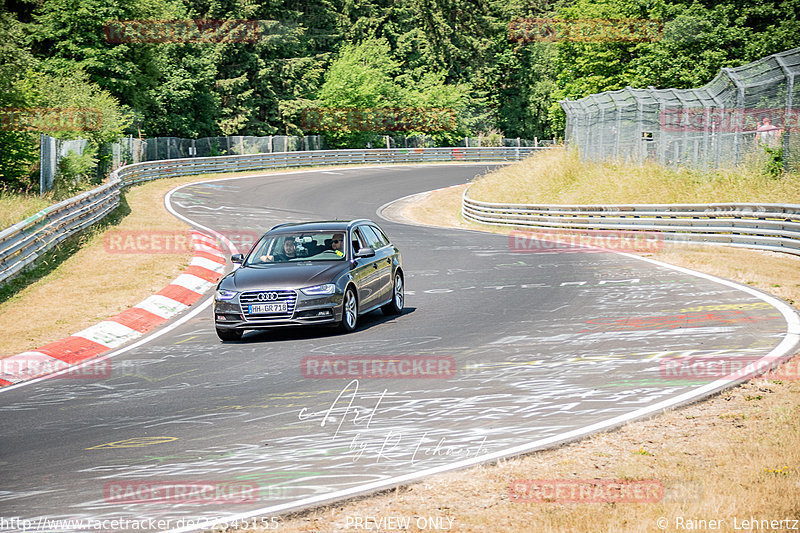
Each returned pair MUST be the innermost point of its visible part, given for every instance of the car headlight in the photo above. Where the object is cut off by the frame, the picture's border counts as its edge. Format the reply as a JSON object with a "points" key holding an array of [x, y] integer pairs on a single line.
{"points": [[224, 294], [318, 290]]}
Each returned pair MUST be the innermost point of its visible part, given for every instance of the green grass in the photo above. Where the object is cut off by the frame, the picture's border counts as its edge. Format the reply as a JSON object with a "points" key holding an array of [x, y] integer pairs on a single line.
{"points": [[559, 177]]}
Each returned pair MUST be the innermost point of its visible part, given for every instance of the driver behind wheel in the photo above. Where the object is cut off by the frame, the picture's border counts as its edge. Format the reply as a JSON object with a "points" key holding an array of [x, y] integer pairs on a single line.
{"points": [[337, 244]]}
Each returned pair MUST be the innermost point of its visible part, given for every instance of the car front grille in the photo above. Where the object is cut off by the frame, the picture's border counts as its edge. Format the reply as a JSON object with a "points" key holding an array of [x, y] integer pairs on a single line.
{"points": [[276, 296]]}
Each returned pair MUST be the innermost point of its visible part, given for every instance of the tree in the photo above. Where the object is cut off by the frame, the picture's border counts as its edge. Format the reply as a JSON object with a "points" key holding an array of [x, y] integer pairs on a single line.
{"points": [[699, 38], [18, 156], [186, 102], [362, 76], [82, 104], [366, 77], [76, 92], [70, 33]]}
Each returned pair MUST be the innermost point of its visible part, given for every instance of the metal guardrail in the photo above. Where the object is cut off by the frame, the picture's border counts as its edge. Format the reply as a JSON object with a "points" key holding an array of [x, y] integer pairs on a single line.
{"points": [[23, 243], [774, 227]]}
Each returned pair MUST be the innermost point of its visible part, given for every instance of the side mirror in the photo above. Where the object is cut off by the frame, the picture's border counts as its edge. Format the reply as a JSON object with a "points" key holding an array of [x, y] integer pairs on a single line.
{"points": [[365, 252], [237, 258]]}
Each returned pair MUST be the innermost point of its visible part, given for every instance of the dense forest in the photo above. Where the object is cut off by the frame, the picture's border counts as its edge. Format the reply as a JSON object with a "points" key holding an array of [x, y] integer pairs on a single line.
{"points": [[455, 54]]}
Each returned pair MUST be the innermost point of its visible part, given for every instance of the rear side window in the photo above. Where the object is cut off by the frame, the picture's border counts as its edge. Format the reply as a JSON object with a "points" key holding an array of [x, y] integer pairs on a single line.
{"points": [[381, 235], [373, 241]]}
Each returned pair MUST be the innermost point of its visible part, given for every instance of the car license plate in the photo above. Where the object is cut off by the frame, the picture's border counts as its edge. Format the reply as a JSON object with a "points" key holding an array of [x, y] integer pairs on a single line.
{"points": [[268, 308]]}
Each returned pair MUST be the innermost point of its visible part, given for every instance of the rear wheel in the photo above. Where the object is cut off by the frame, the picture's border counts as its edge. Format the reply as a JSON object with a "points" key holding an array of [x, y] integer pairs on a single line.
{"points": [[229, 334], [395, 307], [349, 311]]}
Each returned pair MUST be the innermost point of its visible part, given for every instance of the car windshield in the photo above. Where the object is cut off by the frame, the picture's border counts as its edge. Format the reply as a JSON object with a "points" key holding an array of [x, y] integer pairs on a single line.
{"points": [[306, 246]]}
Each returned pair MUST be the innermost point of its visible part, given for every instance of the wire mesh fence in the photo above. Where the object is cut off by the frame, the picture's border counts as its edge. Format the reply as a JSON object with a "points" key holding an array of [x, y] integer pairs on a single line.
{"points": [[745, 114], [426, 141], [51, 152], [132, 150], [490, 140], [129, 150]]}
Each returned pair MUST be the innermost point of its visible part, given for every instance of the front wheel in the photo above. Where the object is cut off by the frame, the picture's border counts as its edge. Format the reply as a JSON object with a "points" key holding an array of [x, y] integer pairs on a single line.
{"points": [[349, 311], [395, 307], [229, 334]]}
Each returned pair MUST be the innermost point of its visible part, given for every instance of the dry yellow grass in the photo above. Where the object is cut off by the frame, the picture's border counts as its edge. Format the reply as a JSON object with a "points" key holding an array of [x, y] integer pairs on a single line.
{"points": [[558, 176], [15, 207], [438, 208]]}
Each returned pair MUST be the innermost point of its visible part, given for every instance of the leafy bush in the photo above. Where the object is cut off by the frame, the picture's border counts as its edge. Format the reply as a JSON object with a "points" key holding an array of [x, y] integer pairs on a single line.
{"points": [[75, 173], [774, 166], [491, 138]]}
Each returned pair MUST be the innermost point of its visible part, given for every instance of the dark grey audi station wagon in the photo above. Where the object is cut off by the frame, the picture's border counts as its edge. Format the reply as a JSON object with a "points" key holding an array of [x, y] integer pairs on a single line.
{"points": [[310, 273]]}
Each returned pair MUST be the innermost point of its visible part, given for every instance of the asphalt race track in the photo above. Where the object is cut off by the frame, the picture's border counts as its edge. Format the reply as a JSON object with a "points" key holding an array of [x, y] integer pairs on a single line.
{"points": [[546, 347]]}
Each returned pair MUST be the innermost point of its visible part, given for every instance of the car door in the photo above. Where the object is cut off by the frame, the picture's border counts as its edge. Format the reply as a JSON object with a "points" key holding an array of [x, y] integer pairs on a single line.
{"points": [[364, 272], [382, 261]]}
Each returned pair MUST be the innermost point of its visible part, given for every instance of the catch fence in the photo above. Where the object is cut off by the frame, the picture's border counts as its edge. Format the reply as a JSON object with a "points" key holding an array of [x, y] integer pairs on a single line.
{"points": [[748, 113], [134, 150]]}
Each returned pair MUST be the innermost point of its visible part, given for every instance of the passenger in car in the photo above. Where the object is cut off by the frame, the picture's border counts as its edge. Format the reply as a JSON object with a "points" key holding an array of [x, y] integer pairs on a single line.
{"points": [[289, 252]]}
